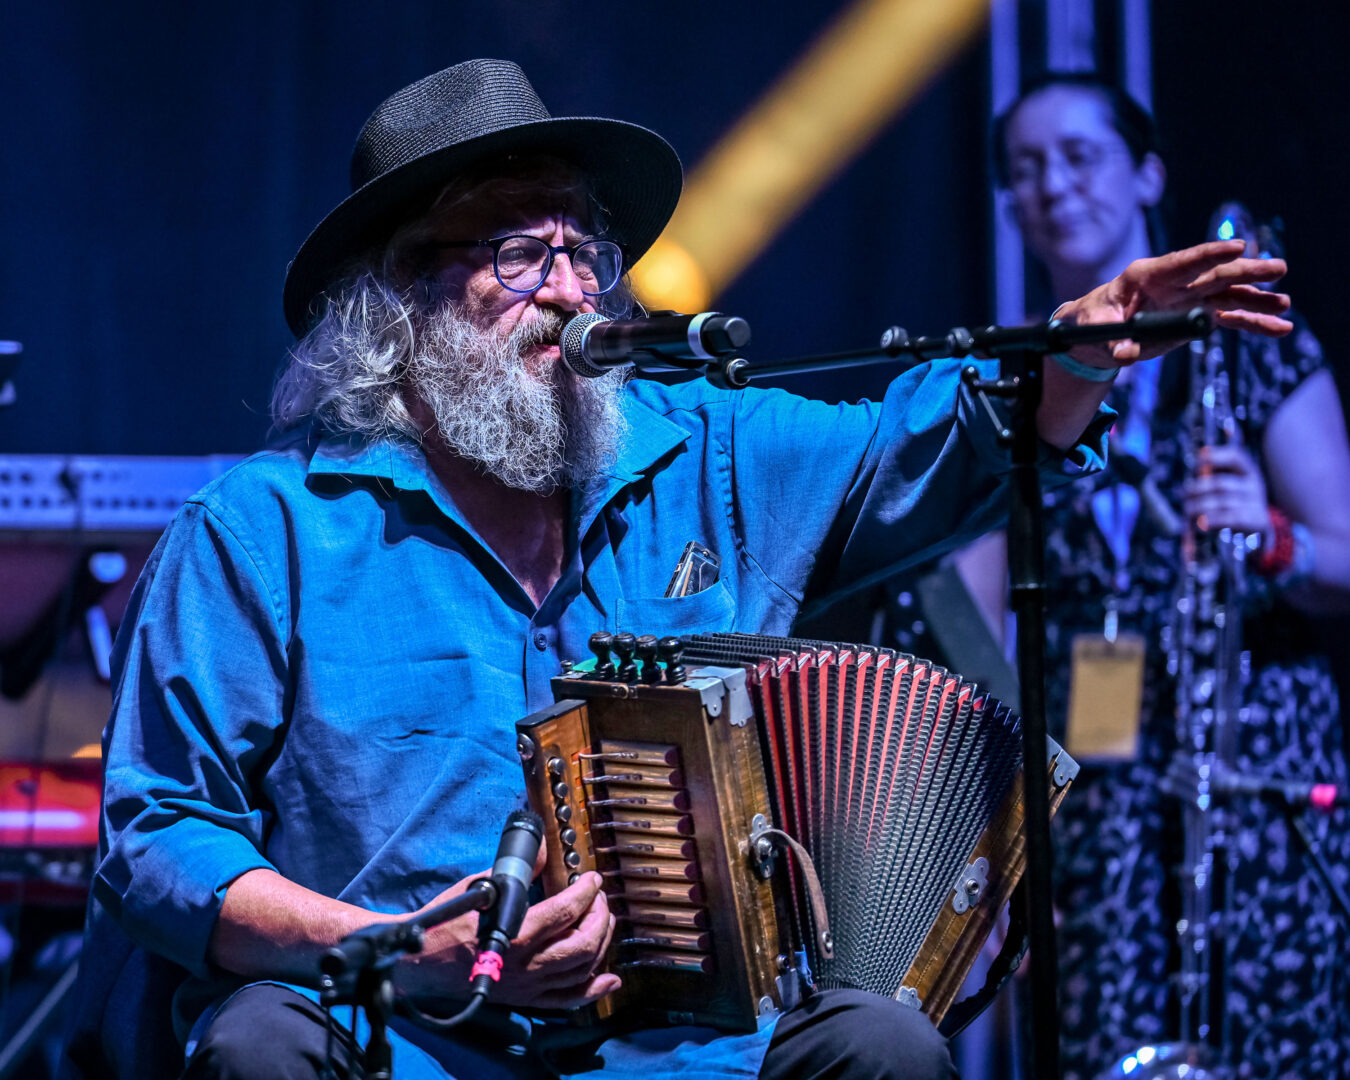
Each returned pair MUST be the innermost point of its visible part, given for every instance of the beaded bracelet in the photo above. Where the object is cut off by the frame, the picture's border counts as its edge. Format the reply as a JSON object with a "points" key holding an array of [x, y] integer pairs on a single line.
{"points": [[1275, 558], [1289, 560]]}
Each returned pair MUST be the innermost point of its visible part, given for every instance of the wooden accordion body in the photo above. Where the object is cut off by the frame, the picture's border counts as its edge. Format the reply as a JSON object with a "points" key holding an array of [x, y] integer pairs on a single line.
{"points": [[901, 782]]}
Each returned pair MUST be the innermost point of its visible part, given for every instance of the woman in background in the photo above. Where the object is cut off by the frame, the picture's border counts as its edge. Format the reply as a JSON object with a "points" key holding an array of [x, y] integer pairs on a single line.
{"points": [[1080, 164]]}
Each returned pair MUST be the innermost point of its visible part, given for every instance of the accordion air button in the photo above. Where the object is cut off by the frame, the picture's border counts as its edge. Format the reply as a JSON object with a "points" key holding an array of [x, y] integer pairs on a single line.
{"points": [[572, 859], [601, 643], [671, 649], [625, 647], [646, 653], [569, 836], [560, 790], [556, 766], [563, 813]]}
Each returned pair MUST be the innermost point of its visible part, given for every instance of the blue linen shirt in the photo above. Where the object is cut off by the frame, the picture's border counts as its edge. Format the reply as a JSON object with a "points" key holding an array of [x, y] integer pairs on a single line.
{"points": [[322, 663]]}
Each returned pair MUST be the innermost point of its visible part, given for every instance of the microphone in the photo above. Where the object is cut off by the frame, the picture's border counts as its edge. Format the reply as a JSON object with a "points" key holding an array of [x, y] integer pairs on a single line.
{"points": [[592, 344], [512, 872], [1295, 794]]}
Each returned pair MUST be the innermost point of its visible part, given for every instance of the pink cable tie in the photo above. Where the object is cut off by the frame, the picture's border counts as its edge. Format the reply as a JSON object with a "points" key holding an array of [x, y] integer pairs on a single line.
{"points": [[1323, 796], [488, 963]]}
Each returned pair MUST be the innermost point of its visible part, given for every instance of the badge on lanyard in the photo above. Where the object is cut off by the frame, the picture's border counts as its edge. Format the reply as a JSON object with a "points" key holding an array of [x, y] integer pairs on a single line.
{"points": [[1106, 679], [1106, 693]]}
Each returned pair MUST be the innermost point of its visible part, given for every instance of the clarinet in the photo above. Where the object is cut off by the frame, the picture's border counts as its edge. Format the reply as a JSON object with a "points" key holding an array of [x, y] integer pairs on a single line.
{"points": [[1211, 671]]}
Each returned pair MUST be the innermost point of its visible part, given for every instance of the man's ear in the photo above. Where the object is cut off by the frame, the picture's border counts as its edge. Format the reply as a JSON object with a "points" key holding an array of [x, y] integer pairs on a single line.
{"points": [[1150, 180]]}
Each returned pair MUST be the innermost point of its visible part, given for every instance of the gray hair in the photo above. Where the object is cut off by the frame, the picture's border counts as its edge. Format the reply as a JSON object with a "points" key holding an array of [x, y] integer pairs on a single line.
{"points": [[347, 374]]}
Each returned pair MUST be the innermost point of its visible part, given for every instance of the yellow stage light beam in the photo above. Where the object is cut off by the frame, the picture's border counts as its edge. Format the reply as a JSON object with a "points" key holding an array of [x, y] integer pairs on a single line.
{"points": [[862, 70]]}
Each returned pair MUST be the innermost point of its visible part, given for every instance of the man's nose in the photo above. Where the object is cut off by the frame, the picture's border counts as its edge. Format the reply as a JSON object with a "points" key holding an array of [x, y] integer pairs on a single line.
{"points": [[561, 287]]}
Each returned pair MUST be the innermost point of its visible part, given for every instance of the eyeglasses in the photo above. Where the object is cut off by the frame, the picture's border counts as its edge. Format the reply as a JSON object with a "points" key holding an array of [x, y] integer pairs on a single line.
{"points": [[1080, 160], [523, 263]]}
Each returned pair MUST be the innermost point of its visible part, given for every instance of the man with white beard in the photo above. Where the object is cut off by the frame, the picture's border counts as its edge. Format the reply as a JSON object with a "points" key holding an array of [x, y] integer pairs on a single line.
{"points": [[319, 674]]}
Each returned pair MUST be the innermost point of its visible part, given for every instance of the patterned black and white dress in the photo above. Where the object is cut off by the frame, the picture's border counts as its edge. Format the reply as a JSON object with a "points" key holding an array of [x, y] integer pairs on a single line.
{"points": [[1118, 836]]}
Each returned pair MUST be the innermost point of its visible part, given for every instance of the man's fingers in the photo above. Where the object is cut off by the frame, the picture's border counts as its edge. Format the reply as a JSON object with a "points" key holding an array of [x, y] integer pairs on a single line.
{"points": [[1265, 325], [558, 913], [1239, 271], [580, 950], [582, 994], [1125, 352], [1248, 298], [573, 951], [1195, 260]]}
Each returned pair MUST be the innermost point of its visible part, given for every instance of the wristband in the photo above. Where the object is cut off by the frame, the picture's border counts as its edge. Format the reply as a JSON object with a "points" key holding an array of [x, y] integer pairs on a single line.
{"points": [[1301, 570], [1277, 557], [1084, 371]]}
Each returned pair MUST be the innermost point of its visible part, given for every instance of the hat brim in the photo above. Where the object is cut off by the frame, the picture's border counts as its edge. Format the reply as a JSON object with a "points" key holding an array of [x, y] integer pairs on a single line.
{"points": [[634, 174]]}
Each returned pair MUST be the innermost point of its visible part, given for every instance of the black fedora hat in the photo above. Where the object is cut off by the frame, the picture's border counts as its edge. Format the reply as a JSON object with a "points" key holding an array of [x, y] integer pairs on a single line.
{"points": [[428, 133]]}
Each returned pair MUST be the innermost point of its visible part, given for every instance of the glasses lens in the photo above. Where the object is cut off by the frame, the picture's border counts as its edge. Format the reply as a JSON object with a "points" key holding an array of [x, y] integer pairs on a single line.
{"points": [[597, 265], [520, 262]]}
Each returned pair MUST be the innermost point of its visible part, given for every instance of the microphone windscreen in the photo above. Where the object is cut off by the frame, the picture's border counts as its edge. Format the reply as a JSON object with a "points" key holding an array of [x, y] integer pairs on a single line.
{"points": [[572, 342]]}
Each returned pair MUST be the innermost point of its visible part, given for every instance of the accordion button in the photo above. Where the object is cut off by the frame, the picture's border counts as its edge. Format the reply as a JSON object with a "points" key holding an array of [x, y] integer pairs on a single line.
{"points": [[560, 790], [569, 837], [572, 879], [572, 859], [555, 766], [563, 813]]}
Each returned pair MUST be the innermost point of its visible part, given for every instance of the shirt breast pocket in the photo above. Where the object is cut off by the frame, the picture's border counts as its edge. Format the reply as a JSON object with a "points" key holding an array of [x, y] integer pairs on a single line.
{"points": [[711, 611]]}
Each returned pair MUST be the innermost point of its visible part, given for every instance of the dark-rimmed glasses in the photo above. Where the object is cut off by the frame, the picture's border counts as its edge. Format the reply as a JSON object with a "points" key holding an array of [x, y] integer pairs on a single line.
{"points": [[523, 263]]}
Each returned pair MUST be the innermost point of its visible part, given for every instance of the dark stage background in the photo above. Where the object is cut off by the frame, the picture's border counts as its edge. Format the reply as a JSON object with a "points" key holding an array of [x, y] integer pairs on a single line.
{"points": [[161, 164]]}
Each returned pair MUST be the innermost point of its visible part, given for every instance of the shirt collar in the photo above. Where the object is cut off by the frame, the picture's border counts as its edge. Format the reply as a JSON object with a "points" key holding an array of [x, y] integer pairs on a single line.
{"points": [[397, 460], [650, 438]]}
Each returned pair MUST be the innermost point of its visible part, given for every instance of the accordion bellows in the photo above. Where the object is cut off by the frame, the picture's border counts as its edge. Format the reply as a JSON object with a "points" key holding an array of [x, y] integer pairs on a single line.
{"points": [[899, 780]]}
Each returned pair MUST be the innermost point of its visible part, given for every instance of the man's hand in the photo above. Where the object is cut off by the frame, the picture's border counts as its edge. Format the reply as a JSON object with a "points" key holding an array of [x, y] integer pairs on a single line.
{"points": [[1215, 276], [1229, 492], [551, 964]]}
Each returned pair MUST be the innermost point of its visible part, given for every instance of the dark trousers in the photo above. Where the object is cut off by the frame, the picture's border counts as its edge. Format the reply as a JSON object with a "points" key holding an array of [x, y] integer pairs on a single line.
{"points": [[270, 1033]]}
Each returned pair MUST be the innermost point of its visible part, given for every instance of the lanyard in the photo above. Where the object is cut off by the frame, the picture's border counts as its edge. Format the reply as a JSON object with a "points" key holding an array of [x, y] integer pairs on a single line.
{"points": [[1115, 508]]}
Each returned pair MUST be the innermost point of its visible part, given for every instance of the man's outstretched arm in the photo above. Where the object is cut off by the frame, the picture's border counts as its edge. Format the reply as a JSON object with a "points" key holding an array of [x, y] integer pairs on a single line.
{"points": [[1215, 276]]}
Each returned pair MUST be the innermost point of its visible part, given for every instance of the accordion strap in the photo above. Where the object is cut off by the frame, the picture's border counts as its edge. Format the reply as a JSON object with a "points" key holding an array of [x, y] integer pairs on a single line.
{"points": [[815, 894], [1003, 967]]}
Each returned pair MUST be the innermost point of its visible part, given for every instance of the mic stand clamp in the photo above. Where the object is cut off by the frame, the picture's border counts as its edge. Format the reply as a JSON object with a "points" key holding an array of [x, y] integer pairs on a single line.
{"points": [[359, 970], [728, 373]]}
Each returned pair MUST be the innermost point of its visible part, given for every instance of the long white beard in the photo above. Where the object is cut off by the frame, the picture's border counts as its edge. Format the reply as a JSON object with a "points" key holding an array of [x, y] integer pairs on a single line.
{"points": [[533, 432]]}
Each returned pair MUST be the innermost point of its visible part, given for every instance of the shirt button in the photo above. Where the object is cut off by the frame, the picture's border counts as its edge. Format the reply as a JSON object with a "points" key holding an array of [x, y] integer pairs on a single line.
{"points": [[540, 640]]}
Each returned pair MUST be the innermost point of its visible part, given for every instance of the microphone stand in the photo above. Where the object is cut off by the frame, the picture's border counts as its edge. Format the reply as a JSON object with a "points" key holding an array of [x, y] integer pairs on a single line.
{"points": [[1020, 351], [358, 971]]}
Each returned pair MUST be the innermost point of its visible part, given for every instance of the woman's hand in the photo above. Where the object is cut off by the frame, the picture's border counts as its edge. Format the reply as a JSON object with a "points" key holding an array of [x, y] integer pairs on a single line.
{"points": [[1229, 492]]}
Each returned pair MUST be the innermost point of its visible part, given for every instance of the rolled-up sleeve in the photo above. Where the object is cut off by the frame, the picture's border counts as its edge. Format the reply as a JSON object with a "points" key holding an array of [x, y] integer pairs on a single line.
{"points": [[197, 706], [832, 498]]}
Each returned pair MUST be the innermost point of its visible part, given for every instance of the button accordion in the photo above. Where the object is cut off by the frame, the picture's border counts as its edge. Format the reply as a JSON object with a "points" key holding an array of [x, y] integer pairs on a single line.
{"points": [[771, 814]]}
